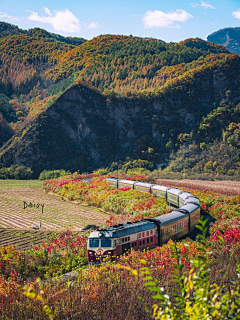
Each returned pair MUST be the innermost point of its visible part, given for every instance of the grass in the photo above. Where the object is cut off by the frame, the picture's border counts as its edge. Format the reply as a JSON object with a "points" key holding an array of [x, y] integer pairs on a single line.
{"points": [[10, 183]]}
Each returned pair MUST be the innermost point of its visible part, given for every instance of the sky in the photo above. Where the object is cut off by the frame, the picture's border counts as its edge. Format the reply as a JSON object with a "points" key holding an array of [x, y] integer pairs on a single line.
{"points": [[167, 20]]}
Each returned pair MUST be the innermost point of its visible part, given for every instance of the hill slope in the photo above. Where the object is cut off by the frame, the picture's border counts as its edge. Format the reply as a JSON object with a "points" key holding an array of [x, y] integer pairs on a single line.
{"points": [[37, 66]]}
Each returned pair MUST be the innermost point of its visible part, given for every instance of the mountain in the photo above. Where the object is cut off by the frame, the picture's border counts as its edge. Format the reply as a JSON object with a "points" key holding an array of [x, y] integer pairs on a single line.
{"points": [[7, 29], [124, 63], [37, 66], [84, 129], [81, 107], [228, 37]]}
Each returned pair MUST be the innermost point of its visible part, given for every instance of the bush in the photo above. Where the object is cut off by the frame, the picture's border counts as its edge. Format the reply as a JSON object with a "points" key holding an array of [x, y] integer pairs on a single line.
{"points": [[52, 174], [16, 172]]}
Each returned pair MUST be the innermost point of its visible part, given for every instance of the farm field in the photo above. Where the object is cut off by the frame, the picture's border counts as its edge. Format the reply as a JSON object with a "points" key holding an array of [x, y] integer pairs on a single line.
{"points": [[22, 240], [230, 188], [16, 222]]}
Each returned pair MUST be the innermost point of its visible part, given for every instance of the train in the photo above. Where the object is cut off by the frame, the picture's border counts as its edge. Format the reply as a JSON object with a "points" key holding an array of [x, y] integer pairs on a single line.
{"points": [[109, 243]]}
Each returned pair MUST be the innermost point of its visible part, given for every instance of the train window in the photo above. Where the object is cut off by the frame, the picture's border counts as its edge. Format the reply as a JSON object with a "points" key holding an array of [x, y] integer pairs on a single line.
{"points": [[140, 235], [143, 234], [106, 243], [128, 238], [147, 240], [151, 232], [143, 241], [122, 240], [147, 233], [135, 243], [152, 239], [140, 242], [93, 243]]}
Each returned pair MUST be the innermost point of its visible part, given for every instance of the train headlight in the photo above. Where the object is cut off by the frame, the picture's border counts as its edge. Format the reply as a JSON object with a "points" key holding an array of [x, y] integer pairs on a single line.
{"points": [[100, 234]]}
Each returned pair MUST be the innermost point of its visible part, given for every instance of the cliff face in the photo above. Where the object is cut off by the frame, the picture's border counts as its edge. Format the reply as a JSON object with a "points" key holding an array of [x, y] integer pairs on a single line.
{"points": [[228, 37], [84, 129]]}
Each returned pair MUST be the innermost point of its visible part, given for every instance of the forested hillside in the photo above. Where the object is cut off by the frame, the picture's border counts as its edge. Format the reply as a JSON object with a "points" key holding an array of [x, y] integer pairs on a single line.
{"points": [[167, 92], [7, 29], [95, 129], [129, 63], [214, 147]]}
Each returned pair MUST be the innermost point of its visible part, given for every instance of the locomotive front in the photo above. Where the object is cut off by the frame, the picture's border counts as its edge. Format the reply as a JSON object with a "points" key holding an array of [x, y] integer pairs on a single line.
{"points": [[101, 247]]}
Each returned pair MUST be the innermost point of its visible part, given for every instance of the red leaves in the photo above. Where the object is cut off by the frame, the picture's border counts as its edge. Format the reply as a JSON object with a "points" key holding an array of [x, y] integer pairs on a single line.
{"points": [[124, 188], [229, 239]]}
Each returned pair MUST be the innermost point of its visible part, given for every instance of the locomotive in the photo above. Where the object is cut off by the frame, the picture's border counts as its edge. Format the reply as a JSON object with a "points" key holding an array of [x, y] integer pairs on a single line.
{"points": [[109, 243]]}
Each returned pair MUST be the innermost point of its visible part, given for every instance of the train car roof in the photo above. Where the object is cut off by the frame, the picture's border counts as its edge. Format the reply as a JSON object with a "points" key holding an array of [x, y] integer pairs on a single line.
{"points": [[185, 195], [175, 191], [124, 230], [168, 218], [189, 207], [192, 199], [127, 181], [158, 187], [144, 184]]}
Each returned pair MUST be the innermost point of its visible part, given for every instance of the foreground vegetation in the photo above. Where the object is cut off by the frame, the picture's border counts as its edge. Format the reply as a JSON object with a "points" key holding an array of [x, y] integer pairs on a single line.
{"points": [[183, 280]]}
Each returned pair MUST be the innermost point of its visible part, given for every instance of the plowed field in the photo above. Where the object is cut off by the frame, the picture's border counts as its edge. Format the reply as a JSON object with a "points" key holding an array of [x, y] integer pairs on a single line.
{"points": [[56, 216], [22, 239], [229, 188]]}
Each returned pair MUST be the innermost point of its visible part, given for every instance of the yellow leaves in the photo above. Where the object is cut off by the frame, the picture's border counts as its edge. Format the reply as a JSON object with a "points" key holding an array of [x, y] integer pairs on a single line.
{"points": [[31, 293], [217, 305], [48, 312], [215, 314], [134, 272], [188, 309]]}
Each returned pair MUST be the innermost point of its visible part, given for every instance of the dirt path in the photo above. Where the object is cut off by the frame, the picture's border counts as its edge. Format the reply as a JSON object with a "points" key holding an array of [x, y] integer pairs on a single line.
{"points": [[230, 188], [57, 214]]}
